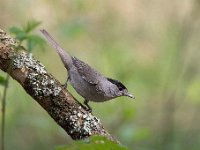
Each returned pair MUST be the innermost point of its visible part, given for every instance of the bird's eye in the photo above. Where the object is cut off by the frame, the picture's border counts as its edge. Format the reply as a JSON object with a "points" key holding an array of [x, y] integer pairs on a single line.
{"points": [[120, 88]]}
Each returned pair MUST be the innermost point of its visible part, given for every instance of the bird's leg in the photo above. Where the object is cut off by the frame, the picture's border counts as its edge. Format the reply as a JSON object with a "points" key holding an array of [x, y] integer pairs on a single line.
{"points": [[65, 84], [89, 109]]}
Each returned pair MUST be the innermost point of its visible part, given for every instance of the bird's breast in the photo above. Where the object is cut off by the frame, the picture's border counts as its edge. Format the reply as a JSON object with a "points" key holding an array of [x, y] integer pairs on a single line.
{"points": [[92, 92]]}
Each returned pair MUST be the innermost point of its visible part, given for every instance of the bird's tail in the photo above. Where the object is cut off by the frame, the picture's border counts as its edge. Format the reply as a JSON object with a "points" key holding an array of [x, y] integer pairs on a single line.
{"points": [[65, 57]]}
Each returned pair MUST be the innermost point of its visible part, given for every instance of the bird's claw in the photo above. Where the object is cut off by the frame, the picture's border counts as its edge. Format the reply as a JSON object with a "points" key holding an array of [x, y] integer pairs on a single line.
{"points": [[64, 85], [87, 106]]}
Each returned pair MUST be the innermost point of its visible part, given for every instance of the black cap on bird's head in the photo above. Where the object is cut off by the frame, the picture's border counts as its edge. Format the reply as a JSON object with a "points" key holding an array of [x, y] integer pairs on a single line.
{"points": [[121, 87]]}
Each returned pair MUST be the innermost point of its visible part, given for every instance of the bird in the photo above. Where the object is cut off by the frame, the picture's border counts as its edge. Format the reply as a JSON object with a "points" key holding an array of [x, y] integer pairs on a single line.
{"points": [[88, 82]]}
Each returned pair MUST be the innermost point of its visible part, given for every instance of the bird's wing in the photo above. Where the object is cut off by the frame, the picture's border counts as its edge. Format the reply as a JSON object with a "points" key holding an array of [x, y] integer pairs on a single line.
{"points": [[87, 73]]}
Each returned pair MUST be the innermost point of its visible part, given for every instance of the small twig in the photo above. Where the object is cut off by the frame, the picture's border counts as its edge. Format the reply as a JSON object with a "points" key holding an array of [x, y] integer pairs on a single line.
{"points": [[4, 112]]}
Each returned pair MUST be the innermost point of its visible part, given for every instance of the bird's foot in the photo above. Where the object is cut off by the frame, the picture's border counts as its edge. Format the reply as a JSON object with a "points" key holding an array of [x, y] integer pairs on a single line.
{"points": [[65, 84], [87, 106], [89, 109]]}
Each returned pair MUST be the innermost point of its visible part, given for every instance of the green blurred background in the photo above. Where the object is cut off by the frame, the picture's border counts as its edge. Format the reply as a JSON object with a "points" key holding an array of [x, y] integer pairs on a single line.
{"points": [[151, 46]]}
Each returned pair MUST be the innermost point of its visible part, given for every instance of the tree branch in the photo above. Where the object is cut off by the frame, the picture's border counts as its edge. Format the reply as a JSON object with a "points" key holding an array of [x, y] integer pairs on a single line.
{"points": [[47, 91]]}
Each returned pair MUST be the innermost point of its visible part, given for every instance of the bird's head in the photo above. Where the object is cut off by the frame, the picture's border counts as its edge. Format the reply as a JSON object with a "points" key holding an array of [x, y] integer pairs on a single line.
{"points": [[122, 90]]}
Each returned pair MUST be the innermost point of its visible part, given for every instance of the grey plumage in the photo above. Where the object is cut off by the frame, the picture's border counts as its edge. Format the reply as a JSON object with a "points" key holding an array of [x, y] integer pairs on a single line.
{"points": [[88, 82], [89, 74]]}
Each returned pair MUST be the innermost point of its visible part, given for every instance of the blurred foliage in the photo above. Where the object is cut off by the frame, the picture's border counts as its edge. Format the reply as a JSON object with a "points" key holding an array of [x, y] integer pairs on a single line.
{"points": [[2, 80], [93, 143], [24, 35], [152, 47]]}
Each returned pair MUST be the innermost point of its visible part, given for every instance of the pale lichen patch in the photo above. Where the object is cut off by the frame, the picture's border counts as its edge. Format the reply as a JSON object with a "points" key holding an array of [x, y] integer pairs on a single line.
{"points": [[38, 79], [83, 123], [26, 60], [42, 85], [6, 39]]}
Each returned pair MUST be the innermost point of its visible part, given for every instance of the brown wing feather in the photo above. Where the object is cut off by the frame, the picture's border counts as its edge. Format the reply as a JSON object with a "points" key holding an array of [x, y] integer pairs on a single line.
{"points": [[87, 73]]}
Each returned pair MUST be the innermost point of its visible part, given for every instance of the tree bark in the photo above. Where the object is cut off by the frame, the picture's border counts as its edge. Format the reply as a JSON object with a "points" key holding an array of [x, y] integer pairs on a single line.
{"points": [[47, 91]]}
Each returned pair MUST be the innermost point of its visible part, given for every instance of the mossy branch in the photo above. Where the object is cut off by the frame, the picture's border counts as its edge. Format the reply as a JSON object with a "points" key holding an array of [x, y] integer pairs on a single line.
{"points": [[47, 91]]}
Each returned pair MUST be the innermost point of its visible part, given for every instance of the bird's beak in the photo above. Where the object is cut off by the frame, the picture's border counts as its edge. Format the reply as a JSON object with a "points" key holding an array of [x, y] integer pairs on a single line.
{"points": [[129, 95]]}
